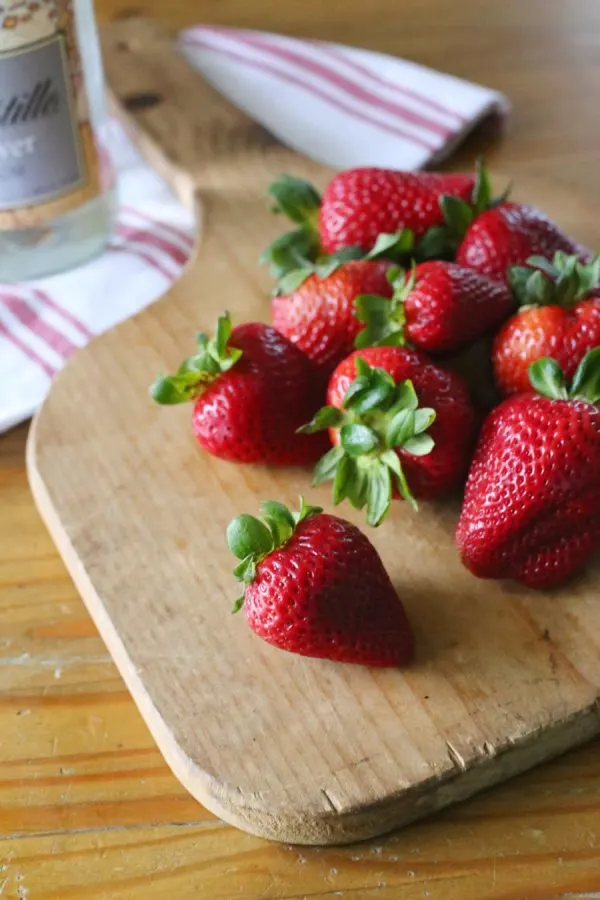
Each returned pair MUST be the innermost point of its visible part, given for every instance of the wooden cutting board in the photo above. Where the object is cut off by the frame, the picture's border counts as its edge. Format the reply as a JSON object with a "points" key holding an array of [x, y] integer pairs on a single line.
{"points": [[293, 749]]}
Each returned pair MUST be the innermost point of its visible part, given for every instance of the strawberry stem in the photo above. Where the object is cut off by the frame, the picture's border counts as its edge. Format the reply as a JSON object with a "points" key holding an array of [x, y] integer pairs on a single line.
{"points": [[384, 318], [251, 539], [214, 357], [564, 281], [547, 378], [378, 418]]}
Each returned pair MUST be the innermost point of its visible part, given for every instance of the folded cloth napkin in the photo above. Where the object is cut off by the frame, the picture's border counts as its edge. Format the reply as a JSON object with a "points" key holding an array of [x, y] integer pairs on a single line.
{"points": [[340, 105]]}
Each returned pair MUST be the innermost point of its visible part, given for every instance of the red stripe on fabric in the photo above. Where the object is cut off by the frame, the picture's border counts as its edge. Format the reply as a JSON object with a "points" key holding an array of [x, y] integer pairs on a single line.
{"points": [[49, 370], [31, 320], [310, 88], [144, 236], [353, 88], [390, 85], [68, 316], [150, 260], [165, 226]]}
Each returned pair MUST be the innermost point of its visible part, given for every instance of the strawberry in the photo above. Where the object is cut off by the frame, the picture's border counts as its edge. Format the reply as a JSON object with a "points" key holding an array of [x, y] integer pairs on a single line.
{"points": [[358, 207], [318, 315], [400, 425], [508, 235], [315, 585], [531, 509], [251, 389], [559, 318], [439, 307], [360, 204]]}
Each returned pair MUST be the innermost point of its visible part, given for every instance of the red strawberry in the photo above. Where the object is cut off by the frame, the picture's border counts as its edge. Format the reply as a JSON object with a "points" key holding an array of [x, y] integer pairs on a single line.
{"points": [[439, 307], [315, 585], [400, 425], [532, 502], [318, 315], [366, 210], [560, 318], [252, 389], [508, 235], [360, 204]]}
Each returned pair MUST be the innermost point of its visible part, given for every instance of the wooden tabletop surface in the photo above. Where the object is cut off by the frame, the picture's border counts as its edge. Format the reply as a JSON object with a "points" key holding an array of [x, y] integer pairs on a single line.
{"points": [[88, 809]]}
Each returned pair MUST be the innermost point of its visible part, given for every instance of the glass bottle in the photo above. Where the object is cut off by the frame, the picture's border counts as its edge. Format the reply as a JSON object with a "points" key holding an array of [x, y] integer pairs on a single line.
{"points": [[56, 182]]}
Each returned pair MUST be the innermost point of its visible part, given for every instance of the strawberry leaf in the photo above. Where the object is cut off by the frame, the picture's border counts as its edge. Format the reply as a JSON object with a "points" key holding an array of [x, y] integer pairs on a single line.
{"points": [[248, 536], [305, 511], [327, 466], [547, 378], [237, 604], [344, 472], [295, 250], [279, 520], [384, 321], [395, 246], [251, 539], [326, 417], [400, 428], [586, 381], [419, 445], [457, 214], [379, 493], [358, 439], [213, 359], [297, 199]]}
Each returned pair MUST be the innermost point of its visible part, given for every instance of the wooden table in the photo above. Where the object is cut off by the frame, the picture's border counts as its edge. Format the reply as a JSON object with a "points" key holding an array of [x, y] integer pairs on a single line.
{"points": [[87, 807]]}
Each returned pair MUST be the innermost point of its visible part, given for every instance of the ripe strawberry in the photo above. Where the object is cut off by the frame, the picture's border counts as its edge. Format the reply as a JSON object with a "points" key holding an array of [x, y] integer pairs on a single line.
{"points": [[439, 307], [401, 426], [559, 318], [360, 204], [531, 509], [508, 235], [318, 315], [315, 585], [251, 389]]}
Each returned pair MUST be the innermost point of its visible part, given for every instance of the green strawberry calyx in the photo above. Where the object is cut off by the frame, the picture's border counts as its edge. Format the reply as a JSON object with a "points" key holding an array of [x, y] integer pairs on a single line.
{"points": [[547, 378], [213, 357], [298, 249], [378, 417], [384, 317], [563, 281], [442, 241], [251, 539]]}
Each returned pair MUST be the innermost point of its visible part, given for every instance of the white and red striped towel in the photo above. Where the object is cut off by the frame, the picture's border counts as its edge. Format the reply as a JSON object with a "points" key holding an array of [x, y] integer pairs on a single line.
{"points": [[340, 105]]}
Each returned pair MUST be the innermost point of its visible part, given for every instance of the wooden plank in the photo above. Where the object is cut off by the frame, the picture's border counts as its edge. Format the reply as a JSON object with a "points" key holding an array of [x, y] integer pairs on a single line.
{"points": [[293, 749]]}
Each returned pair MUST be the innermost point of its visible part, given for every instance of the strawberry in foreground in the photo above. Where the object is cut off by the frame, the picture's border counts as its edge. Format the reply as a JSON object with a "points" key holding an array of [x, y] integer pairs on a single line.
{"points": [[251, 389], [318, 313], [315, 585], [559, 318], [401, 427], [438, 307], [531, 509]]}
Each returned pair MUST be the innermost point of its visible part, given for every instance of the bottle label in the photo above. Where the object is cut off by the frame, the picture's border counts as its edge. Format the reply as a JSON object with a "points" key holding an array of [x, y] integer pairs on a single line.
{"points": [[49, 161]]}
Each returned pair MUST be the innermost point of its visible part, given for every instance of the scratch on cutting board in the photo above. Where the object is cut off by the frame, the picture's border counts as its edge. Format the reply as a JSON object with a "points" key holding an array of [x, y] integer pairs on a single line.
{"points": [[455, 757], [330, 801], [25, 659]]}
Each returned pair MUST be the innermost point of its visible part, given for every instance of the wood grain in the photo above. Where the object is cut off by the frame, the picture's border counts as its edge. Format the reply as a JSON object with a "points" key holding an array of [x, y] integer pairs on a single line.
{"points": [[288, 748], [535, 837]]}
